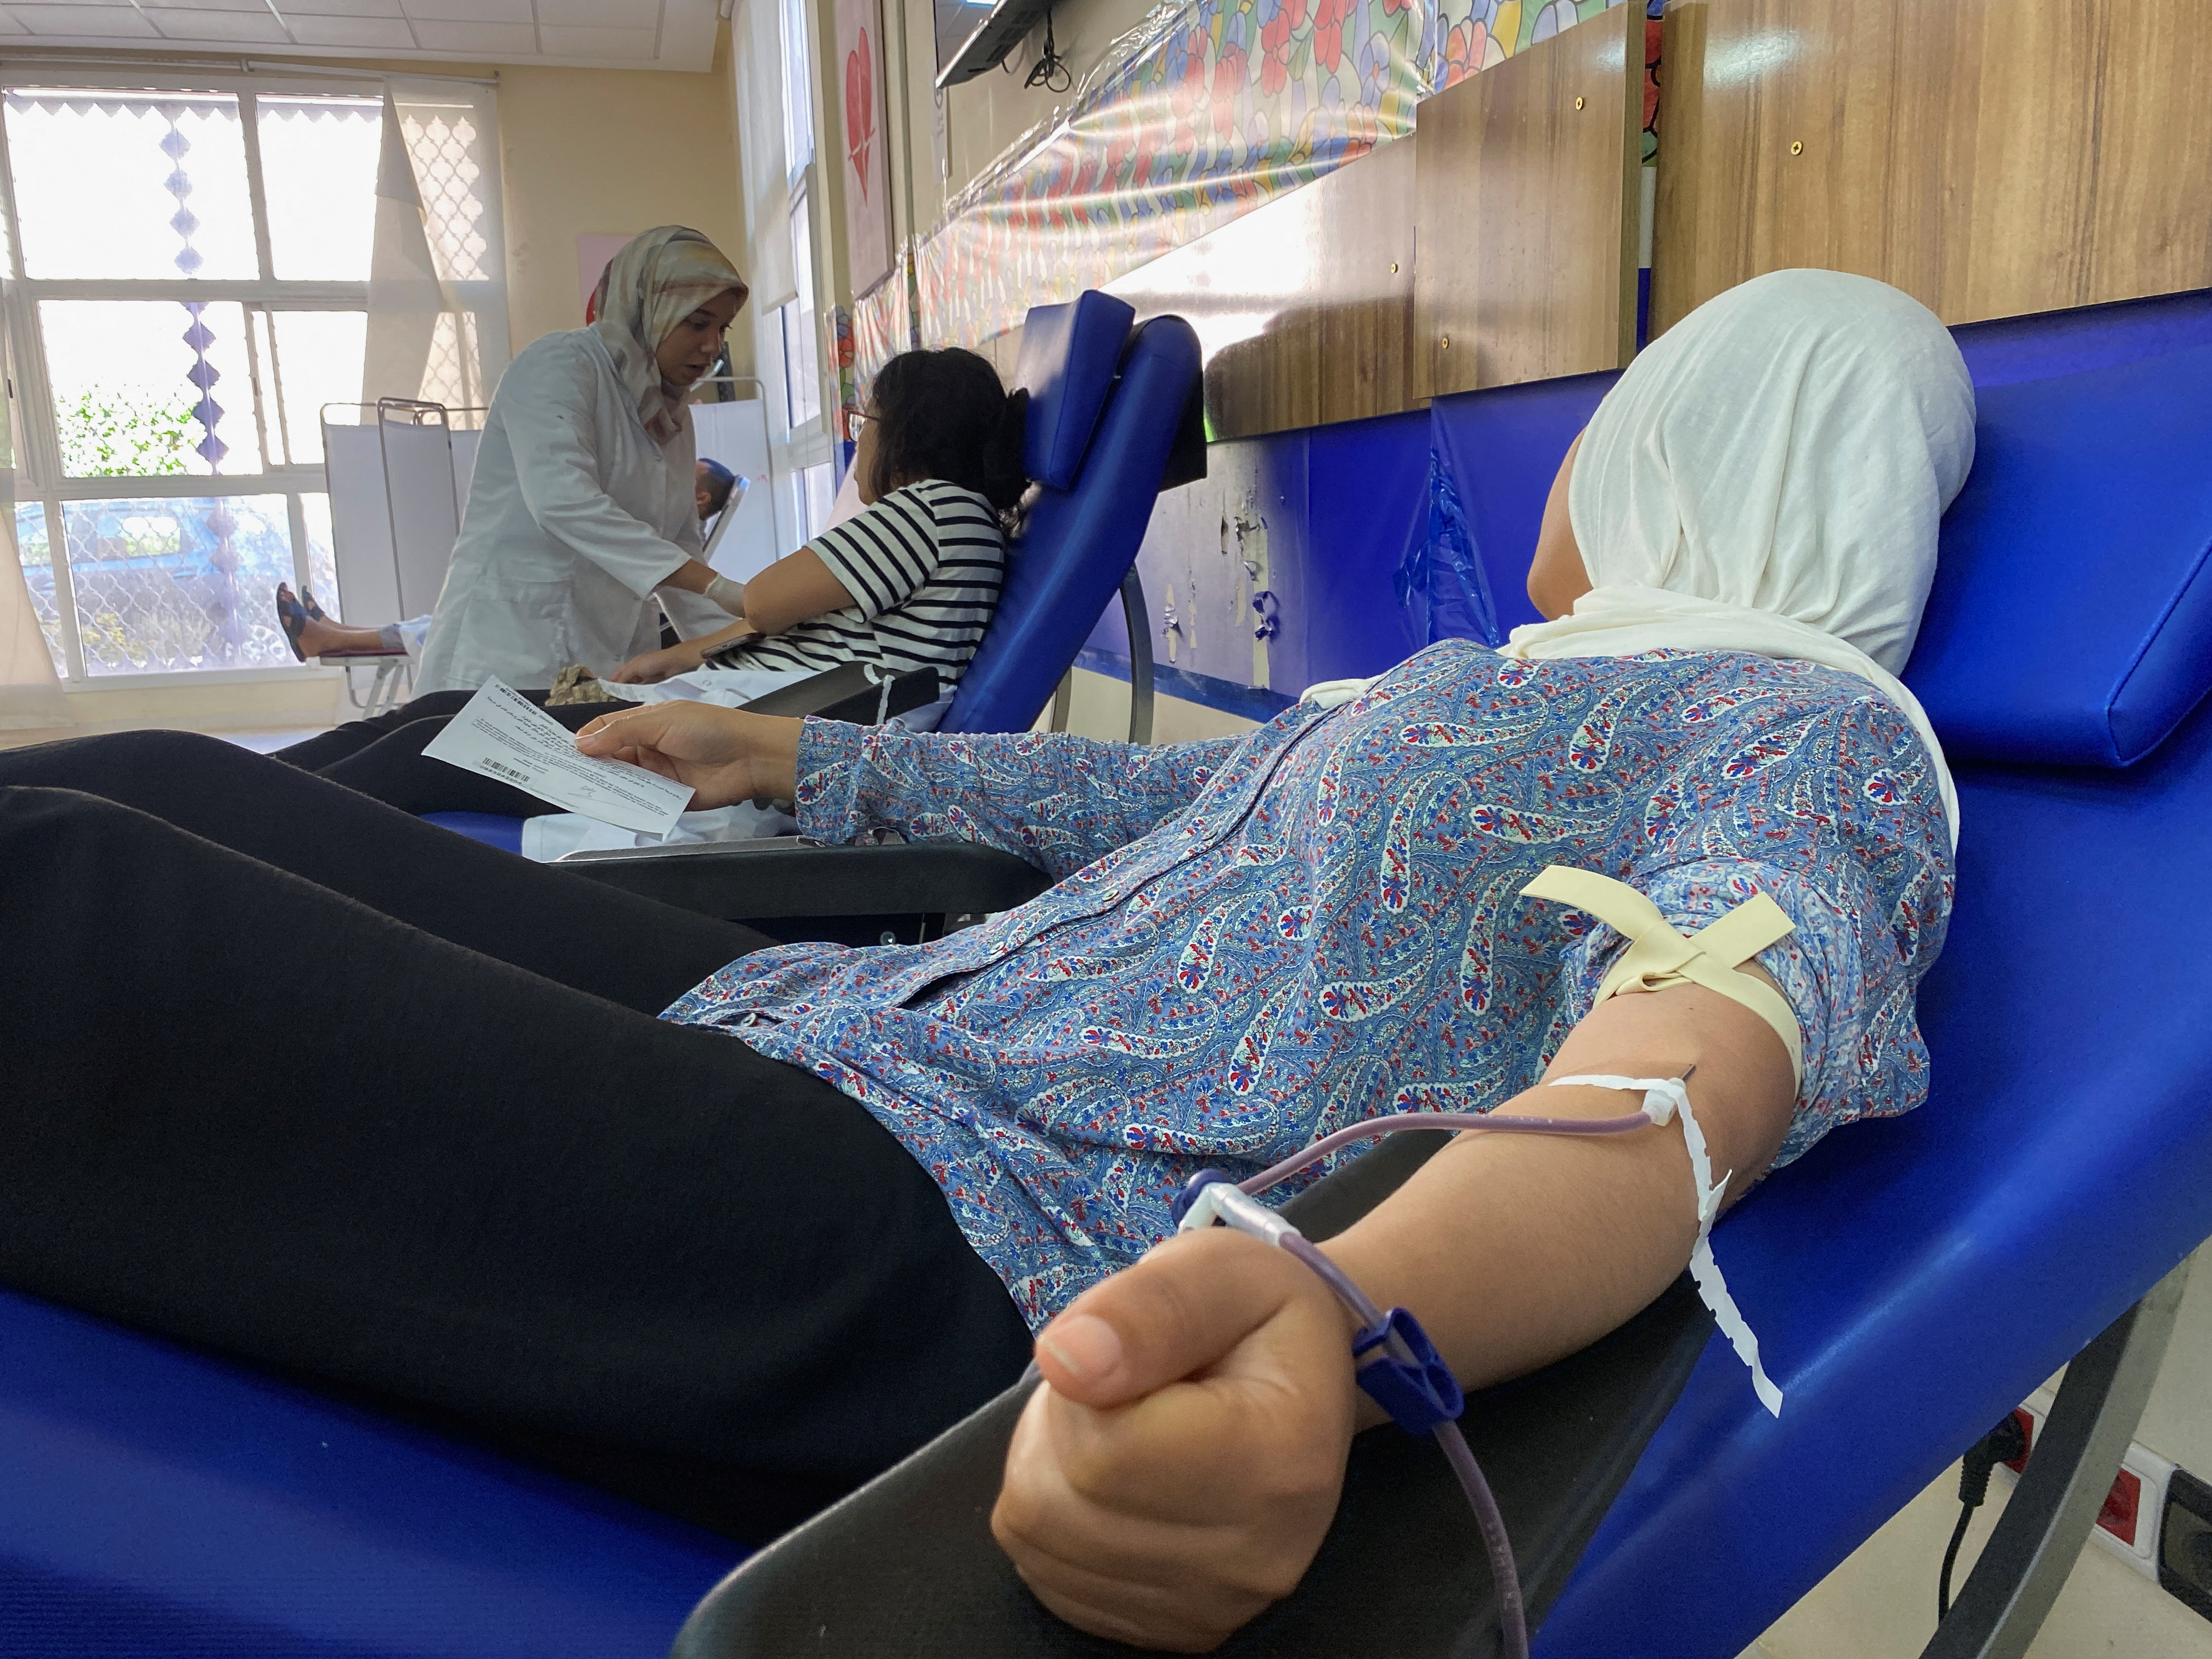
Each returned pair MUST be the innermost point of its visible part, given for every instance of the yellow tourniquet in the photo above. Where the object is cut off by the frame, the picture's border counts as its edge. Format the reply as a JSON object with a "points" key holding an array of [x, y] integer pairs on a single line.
{"points": [[1658, 957]]}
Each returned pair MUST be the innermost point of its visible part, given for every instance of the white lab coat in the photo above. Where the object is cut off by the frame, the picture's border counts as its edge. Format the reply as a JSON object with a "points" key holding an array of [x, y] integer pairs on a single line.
{"points": [[574, 515]]}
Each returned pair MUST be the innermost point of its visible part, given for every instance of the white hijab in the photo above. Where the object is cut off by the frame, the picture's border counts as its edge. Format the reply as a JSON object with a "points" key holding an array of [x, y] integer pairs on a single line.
{"points": [[1767, 476], [655, 280]]}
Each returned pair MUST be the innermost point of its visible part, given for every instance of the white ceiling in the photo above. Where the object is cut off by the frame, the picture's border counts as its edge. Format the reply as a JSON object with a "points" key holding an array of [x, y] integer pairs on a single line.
{"points": [[668, 35]]}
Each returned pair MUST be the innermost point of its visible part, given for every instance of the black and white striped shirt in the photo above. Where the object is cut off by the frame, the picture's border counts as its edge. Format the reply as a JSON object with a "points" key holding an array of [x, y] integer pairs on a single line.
{"points": [[924, 566]]}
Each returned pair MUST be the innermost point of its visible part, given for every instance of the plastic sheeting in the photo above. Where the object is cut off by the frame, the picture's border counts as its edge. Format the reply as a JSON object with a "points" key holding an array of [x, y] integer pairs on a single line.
{"points": [[1440, 582], [1204, 112]]}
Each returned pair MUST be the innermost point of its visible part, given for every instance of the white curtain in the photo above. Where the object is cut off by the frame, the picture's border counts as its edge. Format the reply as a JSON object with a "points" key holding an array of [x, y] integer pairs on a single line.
{"points": [[756, 41], [437, 286], [30, 694]]}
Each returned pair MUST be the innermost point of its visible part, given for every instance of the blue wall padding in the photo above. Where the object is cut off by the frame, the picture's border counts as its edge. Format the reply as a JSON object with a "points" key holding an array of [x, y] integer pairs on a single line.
{"points": [[2071, 620], [1441, 582], [2101, 485], [1366, 502], [2010, 349], [1335, 508], [156, 1504], [1501, 449]]}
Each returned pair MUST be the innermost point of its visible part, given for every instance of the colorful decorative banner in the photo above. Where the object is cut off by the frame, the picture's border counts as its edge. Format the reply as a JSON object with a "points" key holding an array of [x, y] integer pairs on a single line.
{"points": [[1203, 112], [883, 319]]}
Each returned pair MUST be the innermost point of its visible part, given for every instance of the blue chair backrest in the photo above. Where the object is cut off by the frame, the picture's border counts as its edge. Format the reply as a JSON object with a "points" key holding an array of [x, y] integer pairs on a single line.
{"points": [[1946, 1262], [1106, 405], [1070, 355], [2071, 622]]}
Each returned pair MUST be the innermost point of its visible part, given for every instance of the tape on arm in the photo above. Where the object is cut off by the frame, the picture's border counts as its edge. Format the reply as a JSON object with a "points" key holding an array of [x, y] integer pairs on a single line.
{"points": [[1658, 957]]}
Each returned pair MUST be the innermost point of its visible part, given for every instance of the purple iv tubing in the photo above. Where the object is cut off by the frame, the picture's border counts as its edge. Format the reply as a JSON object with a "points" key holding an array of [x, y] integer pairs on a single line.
{"points": [[1376, 1127], [1511, 1617]]}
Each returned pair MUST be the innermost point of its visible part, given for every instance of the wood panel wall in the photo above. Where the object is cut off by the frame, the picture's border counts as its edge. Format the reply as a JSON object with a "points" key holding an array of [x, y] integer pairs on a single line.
{"points": [[1304, 307], [1508, 223], [1991, 157], [1527, 204]]}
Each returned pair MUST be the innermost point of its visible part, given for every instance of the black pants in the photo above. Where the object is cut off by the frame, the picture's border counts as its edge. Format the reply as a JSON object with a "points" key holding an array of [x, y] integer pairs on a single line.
{"points": [[382, 758], [292, 1076]]}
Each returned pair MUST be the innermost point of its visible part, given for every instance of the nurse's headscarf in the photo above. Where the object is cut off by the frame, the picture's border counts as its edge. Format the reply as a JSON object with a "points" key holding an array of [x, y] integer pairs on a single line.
{"points": [[1767, 476], [659, 279]]}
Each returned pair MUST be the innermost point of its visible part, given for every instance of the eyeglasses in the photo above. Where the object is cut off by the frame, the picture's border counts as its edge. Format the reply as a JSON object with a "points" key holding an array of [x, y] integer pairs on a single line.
{"points": [[853, 424]]}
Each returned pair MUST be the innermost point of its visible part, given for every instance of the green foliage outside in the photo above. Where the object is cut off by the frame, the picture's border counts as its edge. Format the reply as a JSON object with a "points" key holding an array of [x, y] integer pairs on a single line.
{"points": [[120, 432]]}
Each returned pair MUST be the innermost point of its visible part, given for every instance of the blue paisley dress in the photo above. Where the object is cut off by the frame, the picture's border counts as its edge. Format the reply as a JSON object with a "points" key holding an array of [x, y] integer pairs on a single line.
{"points": [[1257, 940]]}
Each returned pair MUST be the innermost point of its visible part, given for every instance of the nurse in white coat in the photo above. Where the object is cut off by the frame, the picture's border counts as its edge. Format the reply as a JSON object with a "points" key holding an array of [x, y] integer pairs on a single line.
{"points": [[583, 499]]}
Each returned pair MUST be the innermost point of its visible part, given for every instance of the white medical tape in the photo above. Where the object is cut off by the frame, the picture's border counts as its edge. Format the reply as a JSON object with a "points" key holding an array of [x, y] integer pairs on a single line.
{"points": [[1663, 1098], [1223, 1201]]}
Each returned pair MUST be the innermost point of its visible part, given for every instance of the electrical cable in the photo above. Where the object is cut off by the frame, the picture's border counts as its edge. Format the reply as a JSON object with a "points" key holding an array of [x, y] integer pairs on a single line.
{"points": [[1950, 1560], [1051, 71], [2005, 1444]]}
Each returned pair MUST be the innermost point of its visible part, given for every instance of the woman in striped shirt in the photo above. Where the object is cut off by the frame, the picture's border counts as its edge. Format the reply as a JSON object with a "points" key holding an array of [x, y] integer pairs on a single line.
{"points": [[911, 581]]}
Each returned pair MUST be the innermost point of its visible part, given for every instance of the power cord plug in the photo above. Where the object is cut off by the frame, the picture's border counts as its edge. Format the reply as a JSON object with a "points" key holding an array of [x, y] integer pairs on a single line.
{"points": [[2005, 1444]]}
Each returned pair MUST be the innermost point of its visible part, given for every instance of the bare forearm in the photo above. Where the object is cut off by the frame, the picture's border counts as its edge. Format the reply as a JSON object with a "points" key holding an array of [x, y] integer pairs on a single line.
{"points": [[1514, 1250], [791, 591], [739, 629], [692, 576]]}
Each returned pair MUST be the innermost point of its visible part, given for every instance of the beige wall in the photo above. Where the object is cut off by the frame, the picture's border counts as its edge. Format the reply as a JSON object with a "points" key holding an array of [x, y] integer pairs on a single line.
{"points": [[985, 115], [611, 151]]}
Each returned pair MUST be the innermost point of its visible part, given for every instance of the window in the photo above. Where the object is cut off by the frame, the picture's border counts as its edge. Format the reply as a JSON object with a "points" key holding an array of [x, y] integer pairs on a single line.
{"points": [[802, 363], [787, 335], [191, 276], [817, 490], [798, 92]]}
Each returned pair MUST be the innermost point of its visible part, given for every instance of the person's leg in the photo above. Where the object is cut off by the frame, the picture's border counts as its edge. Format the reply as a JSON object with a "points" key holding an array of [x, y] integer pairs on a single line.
{"points": [[394, 770], [313, 754], [635, 951], [311, 634], [503, 1201]]}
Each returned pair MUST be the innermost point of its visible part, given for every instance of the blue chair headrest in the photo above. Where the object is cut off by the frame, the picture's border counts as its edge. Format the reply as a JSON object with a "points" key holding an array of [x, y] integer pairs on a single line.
{"points": [[1069, 353], [2071, 619]]}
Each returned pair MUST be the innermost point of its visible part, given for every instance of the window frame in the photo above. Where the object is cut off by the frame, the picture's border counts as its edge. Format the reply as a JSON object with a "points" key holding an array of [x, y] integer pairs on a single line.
{"points": [[30, 390]]}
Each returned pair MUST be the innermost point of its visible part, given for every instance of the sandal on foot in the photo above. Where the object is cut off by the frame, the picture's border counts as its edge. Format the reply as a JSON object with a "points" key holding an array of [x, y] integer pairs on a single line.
{"points": [[307, 604], [293, 617]]}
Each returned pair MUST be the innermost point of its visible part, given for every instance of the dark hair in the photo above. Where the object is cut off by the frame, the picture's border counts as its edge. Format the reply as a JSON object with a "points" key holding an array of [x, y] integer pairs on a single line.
{"points": [[944, 415], [720, 481]]}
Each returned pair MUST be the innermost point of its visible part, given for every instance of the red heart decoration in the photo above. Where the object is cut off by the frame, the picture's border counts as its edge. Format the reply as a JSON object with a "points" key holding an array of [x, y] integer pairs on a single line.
{"points": [[860, 109]]}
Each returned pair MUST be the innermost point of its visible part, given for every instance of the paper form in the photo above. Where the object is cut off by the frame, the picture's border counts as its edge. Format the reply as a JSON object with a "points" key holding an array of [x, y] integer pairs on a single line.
{"points": [[503, 735]]}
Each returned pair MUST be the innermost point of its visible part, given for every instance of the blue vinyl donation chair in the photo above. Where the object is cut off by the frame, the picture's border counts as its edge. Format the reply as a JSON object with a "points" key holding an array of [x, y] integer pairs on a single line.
{"points": [[1114, 419], [1909, 1280], [157, 1502]]}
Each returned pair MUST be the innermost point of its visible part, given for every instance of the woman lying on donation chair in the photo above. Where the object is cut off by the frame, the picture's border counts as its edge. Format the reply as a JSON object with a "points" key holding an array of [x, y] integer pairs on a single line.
{"points": [[731, 1227], [912, 581]]}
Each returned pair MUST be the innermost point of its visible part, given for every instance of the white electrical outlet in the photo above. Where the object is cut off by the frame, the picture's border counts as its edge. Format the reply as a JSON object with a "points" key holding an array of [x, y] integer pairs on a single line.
{"points": [[2152, 1473]]}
